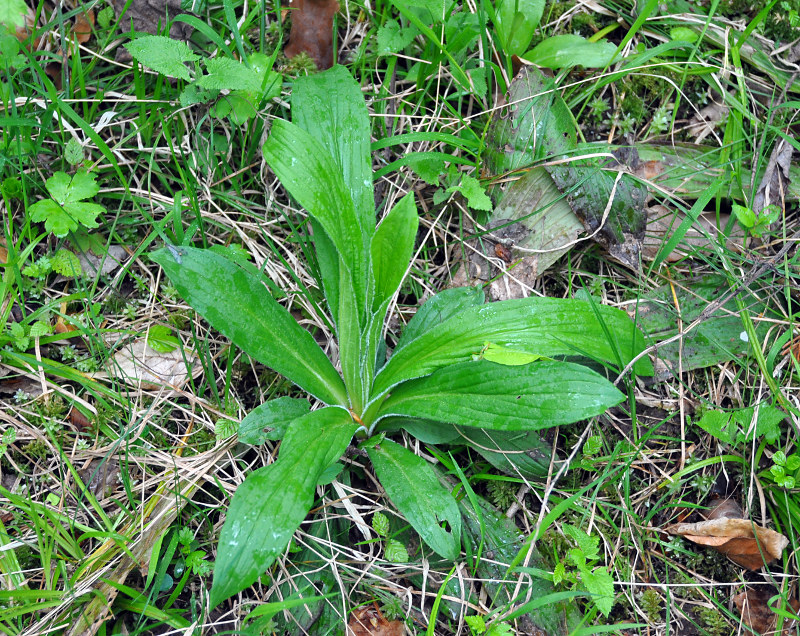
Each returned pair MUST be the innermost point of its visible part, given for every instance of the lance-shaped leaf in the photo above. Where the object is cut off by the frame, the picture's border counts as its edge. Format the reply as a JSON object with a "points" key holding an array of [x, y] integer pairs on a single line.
{"points": [[391, 249], [494, 396], [237, 305], [272, 501], [330, 107], [541, 326], [312, 176], [414, 488]]}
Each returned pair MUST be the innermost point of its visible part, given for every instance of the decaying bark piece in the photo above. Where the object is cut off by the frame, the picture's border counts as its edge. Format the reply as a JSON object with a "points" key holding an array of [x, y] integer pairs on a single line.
{"points": [[312, 30], [742, 541]]}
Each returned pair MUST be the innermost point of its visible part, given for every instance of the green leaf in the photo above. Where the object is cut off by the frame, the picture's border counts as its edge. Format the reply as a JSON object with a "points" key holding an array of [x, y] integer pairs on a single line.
{"points": [[330, 107], [40, 328], [474, 193], [540, 326], [67, 211], [225, 73], [507, 356], [314, 179], [744, 215], [73, 152], [414, 488], [601, 586], [162, 339], [779, 458], [66, 263], [270, 420], [238, 105], [500, 629], [588, 545], [492, 396], [392, 38], [162, 54], [12, 12], [380, 524], [65, 190], [683, 34], [438, 309], [252, 319], [392, 247], [516, 23], [516, 453], [395, 551], [476, 624], [272, 501], [566, 51]]}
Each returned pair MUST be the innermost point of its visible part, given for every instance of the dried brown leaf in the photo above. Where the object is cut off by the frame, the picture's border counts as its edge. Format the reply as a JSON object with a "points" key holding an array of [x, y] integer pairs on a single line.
{"points": [[775, 182], [742, 541], [368, 621], [82, 28], [753, 605], [312, 31], [139, 364], [705, 121]]}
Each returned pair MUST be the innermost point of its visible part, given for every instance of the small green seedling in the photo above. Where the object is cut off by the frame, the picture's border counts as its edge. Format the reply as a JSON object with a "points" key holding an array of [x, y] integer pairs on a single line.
{"points": [[587, 574], [785, 468], [431, 383], [393, 550], [754, 223], [477, 627]]}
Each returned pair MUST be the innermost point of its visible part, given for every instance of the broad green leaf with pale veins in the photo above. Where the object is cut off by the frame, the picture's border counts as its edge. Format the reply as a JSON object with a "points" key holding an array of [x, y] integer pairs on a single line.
{"points": [[540, 326], [414, 488], [12, 12], [67, 210], [494, 396], [162, 54], [272, 501], [565, 51], [238, 305]]}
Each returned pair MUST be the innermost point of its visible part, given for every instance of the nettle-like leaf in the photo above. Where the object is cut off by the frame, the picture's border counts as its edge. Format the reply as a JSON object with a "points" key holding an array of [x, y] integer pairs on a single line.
{"points": [[162, 54], [67, 210], [12, 12]]}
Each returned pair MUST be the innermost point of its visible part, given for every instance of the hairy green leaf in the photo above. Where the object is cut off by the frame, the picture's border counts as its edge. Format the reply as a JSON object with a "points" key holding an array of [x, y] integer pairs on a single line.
{"points": [[540, 326], [271, 419], [272, 501], [237, 305], [225, 73], [492, 396], [414, 488], [162, 54]]}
